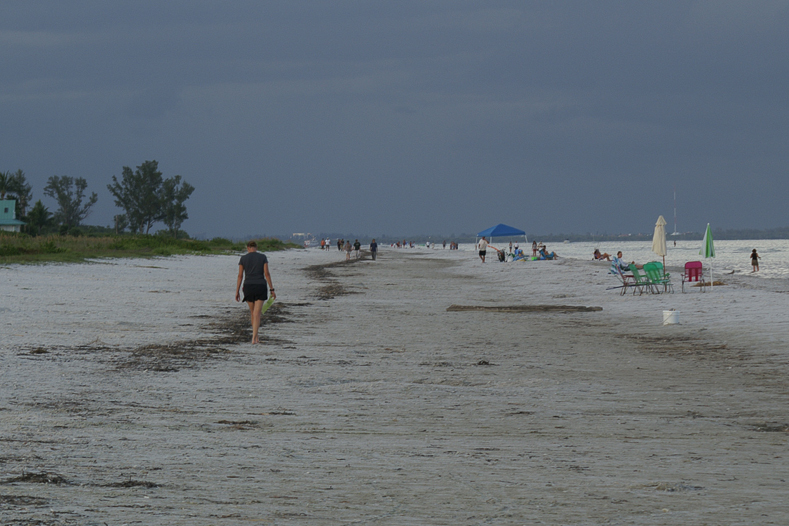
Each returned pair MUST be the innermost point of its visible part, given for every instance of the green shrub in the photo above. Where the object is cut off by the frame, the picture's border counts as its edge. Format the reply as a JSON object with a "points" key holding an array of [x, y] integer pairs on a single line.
{"points": [[22, 248], [50, 248], [8, 250], [119, 244]]}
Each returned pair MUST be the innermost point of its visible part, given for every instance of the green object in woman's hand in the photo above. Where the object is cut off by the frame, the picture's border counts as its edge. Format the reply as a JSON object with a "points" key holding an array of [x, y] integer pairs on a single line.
{"points": [[266, 305]]}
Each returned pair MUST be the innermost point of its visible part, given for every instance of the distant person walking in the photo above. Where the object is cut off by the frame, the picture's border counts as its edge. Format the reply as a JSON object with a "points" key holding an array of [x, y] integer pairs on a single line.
{"points": [[253, 270], [373, 249], [755, 260], [356, 247], [347, 248], [483, 248], [534, 249]]}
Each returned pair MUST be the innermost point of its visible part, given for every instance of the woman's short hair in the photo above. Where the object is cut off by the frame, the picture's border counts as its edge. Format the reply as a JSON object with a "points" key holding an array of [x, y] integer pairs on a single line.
{"points": [[252, 244]]}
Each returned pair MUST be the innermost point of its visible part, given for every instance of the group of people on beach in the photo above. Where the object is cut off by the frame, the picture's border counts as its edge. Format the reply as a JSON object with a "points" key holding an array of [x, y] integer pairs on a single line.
{"points": [[428, 244], [402, 244], [539, 251], [373, 249], [357, 247], [616, 261]]}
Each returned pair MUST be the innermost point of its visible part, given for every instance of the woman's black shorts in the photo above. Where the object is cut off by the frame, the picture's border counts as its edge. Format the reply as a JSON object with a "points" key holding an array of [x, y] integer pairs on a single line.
{"points": [[255, 292]]}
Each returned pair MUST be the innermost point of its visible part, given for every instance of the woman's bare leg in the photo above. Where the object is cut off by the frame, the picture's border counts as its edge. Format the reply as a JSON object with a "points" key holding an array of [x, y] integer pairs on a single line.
{"points": [[254, 314]]}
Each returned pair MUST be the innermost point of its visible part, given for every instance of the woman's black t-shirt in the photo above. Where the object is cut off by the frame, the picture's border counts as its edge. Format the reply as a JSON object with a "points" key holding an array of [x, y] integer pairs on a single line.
{"points": [[253, 263]]}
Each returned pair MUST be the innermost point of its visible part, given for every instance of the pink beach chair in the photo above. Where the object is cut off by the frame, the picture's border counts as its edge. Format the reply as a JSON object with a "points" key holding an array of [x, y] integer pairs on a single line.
{"points": [[693, 273]]}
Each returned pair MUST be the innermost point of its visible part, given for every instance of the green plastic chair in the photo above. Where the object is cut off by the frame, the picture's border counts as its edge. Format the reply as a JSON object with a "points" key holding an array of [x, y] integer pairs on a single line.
{"points": [[640, 282], [657, 278], [666, 275], [659, 265]]}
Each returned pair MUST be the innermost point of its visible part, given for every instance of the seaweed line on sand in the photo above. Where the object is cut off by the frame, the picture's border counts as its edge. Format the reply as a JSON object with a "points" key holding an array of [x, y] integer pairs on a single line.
{"points": [[330, 287], [523, 308], [230, 328], [37, 478]]}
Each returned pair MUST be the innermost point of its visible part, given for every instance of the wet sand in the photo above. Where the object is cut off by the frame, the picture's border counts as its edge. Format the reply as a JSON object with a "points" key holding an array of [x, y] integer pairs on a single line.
{"points": [[133, 397]]}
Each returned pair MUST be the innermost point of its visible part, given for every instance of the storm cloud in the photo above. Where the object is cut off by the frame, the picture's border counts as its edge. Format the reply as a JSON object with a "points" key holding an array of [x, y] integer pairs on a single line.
{"points": [[409, 117]]}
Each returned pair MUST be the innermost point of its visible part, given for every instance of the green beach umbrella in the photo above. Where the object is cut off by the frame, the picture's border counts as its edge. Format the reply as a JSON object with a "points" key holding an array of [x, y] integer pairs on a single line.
{"points": [[708, 249]]}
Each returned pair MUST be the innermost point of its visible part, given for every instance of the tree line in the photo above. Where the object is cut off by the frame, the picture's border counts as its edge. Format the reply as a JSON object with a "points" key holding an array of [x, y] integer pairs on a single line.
{"points": [[144, 196]]}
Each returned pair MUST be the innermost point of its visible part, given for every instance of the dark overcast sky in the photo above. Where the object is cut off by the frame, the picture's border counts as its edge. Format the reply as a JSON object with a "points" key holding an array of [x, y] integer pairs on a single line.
{"points": [[409, 117]]}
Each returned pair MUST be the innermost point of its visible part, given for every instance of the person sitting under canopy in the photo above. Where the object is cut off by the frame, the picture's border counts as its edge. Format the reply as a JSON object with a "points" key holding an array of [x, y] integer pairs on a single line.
{"points": [[518, 254], [545, 255]]}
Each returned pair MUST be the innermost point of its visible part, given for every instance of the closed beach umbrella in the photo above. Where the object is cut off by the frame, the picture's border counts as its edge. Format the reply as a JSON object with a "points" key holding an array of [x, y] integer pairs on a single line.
{"points": [[659, 240], [708, 249]]}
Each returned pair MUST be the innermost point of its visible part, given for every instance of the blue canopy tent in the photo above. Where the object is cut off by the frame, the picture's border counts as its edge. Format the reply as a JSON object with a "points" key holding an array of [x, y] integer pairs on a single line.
{"points": [[501, 230]]}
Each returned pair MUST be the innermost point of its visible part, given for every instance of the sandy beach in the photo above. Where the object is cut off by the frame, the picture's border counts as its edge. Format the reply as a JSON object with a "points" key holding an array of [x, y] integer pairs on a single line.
{"points": [[129, 395]]}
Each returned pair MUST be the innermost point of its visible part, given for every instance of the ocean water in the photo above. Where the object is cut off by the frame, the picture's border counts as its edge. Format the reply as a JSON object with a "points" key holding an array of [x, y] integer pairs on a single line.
{"points": [[730, 255]]}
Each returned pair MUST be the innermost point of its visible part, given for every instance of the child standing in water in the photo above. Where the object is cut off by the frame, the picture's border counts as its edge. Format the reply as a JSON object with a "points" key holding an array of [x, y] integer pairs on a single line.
{"points": [[755, 260]]}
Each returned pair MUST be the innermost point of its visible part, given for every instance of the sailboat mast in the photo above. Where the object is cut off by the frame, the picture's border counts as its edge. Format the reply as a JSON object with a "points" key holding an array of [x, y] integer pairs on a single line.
{"points": [[675, 210]]}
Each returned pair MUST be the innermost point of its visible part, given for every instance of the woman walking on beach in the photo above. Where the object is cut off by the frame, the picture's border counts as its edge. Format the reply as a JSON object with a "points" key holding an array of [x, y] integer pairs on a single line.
{"points": [[347, 248], [755, 260], [253, 270]]}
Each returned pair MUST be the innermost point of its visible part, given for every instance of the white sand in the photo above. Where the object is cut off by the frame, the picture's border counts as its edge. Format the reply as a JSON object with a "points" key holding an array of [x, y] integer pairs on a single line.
{"points": [[380, 407]]}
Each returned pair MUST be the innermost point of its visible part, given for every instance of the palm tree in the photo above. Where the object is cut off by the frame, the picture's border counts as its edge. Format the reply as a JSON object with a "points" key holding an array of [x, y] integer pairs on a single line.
{"points": [[5, 184], [39, 216], [17, 184]]}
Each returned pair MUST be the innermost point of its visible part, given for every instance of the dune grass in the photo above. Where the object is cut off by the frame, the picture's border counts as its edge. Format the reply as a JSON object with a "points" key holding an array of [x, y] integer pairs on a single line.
{"points": [[16, 248]]}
